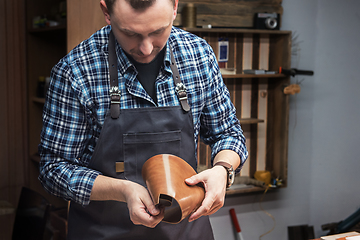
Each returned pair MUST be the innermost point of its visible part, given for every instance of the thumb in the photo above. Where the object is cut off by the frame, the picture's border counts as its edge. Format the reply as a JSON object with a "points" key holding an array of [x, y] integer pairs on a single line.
{"points": [[192, 180], [150, 206], [153, 210]]}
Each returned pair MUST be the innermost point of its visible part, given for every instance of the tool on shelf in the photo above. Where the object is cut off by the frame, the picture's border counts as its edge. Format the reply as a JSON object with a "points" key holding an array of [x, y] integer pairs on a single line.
{"points": [[295, 71]]}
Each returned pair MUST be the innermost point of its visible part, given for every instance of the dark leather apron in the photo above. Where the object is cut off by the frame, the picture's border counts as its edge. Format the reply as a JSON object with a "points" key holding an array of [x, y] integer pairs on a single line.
{"points": [[132, 136]]}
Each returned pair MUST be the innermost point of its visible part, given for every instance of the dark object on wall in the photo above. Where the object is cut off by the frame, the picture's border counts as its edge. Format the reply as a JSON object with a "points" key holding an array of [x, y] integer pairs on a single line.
{"points": [[270, 21], [295, 71], [301, 232], [32, 214], [343, 226]]}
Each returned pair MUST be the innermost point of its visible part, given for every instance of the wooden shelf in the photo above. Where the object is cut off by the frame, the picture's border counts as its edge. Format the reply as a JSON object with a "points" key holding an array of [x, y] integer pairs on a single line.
{"points": [[229, 76], [248, 189], [47, 29], [250, 120], [237, 30], [38, 100]]}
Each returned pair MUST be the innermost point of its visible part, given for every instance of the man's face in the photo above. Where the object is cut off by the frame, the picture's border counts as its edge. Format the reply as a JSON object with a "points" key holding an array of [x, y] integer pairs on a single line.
{"points": [[142, 33]]}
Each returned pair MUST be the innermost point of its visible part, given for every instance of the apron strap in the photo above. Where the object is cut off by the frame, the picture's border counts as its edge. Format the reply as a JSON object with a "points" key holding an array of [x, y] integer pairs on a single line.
{"points": [[180, 87], [114, 82], [115, 93]]}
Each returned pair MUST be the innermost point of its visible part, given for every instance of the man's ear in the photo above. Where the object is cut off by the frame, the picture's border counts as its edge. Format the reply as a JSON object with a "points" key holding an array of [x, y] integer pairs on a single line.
{"points": [[175, 9], [105, 12]]}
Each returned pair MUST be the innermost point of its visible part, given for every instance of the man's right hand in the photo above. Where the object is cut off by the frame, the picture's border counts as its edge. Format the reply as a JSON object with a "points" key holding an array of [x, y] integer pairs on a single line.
{"points": [[141, 207], [142, 210]]}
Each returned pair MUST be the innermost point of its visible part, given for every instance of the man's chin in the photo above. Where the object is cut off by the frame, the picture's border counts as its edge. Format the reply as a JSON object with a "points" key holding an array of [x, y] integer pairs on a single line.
{"points": [[144, 60], [141, 59]]}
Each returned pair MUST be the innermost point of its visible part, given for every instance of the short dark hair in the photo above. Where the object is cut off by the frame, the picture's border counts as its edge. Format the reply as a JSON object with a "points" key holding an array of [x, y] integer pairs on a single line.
{"points": [[136, 4]]}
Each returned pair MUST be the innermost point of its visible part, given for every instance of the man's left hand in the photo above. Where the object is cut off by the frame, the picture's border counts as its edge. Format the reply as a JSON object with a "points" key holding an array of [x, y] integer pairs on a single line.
{"points": [[214, 181]]}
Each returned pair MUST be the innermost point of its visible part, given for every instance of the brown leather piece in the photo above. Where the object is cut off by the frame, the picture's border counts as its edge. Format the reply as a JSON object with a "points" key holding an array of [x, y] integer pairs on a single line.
{"points": [[119, 167], [165, 176]]}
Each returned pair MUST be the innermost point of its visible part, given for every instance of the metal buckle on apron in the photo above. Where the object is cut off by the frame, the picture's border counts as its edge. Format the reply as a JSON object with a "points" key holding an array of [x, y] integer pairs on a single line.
{"points": [[181, 91], [182, 96], [115, 95]]}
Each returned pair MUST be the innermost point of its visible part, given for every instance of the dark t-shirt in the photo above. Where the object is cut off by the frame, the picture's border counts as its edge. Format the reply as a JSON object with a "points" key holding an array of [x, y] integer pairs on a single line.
{"points": [[148, 72]]}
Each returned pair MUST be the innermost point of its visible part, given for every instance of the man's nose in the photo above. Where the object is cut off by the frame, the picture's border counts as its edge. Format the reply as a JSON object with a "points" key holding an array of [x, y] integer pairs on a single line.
{"points": [[146, 47]]}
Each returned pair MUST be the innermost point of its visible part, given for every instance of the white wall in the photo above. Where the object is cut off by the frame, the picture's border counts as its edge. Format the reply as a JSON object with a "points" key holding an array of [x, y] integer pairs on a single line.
{"points": [[324, 136], [336, 138]]}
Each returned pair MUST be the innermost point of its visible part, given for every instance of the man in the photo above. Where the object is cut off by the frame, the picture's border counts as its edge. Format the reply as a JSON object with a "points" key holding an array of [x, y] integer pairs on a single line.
{"points": [[167, 89]]}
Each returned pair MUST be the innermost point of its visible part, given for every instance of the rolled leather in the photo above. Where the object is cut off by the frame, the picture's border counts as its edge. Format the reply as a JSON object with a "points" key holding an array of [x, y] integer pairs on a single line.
{"points": [[165, 176]]}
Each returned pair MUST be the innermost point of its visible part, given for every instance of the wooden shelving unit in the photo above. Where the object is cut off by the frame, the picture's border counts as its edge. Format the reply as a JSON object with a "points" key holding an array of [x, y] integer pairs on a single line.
{"points": [[262, 107], [45, 46]]}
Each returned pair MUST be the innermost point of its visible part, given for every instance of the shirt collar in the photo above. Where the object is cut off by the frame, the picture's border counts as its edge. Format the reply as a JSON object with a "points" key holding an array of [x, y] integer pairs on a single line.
{"points": [[167, 59], [124, 62]]}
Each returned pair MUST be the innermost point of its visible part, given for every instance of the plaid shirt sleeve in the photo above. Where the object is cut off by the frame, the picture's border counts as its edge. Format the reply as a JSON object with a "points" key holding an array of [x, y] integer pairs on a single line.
{"points": [[63, 139], [220, 127]]}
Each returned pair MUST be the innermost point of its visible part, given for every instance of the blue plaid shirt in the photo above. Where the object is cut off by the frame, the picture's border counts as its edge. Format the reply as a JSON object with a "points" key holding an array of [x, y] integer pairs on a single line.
{"points": [[78, 99]]}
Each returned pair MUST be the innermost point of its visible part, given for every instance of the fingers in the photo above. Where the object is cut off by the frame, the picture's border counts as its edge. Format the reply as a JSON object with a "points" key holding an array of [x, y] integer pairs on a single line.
{"points": [[210, 205], [149, 205], [140, 216], [141, 207], [214, 181]]}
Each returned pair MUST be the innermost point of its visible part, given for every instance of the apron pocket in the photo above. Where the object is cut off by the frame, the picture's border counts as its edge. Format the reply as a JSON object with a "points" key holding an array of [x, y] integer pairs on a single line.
{"points": [[139, 147]]}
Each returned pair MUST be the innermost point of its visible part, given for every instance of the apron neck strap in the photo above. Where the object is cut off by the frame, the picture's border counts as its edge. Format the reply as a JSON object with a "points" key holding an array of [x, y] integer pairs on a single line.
{"points": [[179, 86], [115, 93]]}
